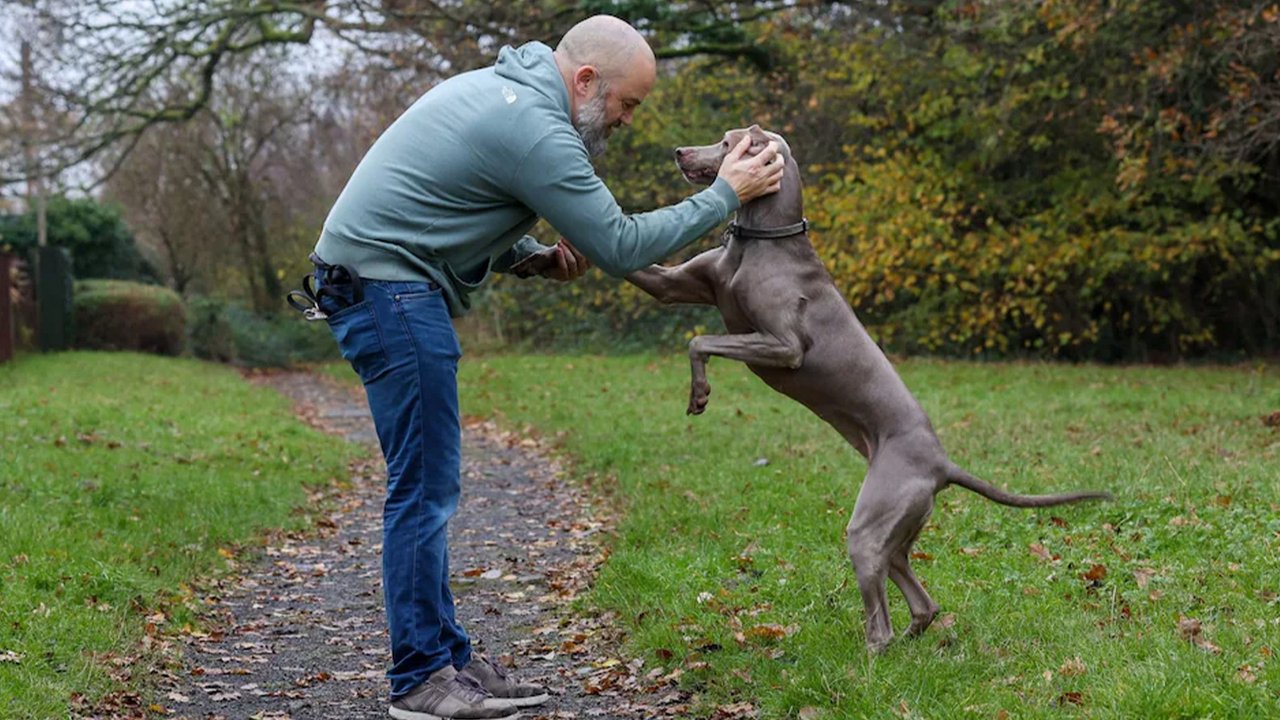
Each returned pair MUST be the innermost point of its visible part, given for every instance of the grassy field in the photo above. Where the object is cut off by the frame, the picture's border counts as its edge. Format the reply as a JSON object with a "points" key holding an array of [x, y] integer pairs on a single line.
{"points": [[122, 479], [730, 559]]}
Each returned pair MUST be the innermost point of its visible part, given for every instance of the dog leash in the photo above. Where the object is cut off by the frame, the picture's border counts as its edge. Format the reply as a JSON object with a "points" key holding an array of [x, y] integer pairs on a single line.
{"points": [[747, 233]]}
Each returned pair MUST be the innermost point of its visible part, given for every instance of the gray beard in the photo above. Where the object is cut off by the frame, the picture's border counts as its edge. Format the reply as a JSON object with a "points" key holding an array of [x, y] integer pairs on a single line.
{"points": [[590, 123]]}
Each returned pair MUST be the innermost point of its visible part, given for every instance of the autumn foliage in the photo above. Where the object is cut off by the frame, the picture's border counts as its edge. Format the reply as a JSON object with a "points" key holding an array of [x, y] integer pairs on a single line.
{"points": [[1071, 179]]}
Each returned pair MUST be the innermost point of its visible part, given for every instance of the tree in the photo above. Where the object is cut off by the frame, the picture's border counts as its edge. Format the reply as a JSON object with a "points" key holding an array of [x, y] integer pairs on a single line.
{"points": [[101, 244], [208, 191], [121, 68]]}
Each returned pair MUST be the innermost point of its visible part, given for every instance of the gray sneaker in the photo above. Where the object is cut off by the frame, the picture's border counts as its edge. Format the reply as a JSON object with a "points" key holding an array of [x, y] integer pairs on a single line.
{"points": [[447, 695], [501, 686]]}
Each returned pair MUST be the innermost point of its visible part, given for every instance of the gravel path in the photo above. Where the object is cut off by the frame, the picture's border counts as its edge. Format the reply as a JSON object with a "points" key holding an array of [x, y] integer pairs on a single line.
{"points": [[301, 633]]}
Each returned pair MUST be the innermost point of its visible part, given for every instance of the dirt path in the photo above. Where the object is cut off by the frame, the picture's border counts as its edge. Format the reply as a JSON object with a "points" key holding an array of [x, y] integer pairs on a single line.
{"points": [[301, 634]]}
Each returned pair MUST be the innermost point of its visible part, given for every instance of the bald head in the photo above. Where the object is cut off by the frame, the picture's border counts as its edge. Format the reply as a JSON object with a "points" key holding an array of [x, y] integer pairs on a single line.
{"points": [[609, 44], [608, 69]]}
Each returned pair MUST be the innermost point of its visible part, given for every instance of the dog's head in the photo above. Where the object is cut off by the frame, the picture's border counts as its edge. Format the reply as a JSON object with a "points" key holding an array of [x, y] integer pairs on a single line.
{"points": [[701, 164]]}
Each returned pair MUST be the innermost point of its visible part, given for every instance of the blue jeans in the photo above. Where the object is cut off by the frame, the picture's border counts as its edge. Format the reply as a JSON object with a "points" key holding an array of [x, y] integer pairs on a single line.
{"points": [[400, 340]]}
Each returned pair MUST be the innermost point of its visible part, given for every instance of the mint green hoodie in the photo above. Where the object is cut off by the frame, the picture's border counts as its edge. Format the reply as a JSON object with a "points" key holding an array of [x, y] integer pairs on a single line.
{"points": [[448, 192]]}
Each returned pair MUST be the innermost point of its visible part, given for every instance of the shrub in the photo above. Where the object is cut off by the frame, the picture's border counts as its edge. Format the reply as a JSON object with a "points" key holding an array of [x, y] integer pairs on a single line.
{"points": [[209, 332], [123, 315], [229, 332], [101, 244]]}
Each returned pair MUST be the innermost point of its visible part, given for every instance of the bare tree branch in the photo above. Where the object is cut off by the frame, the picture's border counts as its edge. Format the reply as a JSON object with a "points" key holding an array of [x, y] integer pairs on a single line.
{"points": [[115, 68]]}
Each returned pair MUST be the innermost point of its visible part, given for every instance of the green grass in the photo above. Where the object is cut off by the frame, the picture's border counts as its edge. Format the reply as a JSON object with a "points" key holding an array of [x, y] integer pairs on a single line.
{"points": [[712, 544], [123, 478]]}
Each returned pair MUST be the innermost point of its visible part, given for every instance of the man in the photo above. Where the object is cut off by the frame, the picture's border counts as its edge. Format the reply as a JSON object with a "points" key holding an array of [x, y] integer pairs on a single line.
{"points": [[441, 200]]}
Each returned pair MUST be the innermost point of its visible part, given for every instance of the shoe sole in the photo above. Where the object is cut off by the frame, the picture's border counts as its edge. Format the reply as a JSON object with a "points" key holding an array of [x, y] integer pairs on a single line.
{"points": [[399, 714], [518, 702]]}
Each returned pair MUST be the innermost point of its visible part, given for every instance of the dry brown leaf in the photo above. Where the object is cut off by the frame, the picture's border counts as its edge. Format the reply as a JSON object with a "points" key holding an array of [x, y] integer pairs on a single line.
{"points": [[733, 711], [1096, 573], [771, 631], [809, 713], [1143, 576], [1190, 630], [1073, 668], [1039, 551], [1073, 698], [971, 551]]}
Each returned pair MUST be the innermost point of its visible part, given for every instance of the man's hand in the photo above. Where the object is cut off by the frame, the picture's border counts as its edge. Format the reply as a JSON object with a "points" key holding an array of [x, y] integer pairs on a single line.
{"points": [[751, 177], [570, 264], [561, 261]]}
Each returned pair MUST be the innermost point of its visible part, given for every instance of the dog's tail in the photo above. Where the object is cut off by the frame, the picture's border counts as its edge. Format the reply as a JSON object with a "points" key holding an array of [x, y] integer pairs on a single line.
{"points": [[957, 476]]}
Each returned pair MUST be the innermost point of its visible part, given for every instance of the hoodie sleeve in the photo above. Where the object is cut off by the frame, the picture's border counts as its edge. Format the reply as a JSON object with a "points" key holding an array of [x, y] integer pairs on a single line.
{"points": [[555, 179]]}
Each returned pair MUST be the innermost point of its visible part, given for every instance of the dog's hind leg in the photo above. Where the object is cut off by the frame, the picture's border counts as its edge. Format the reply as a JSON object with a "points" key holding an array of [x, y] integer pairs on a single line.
{"points": [[870, 557], [871, 567], [892, 508], [923, 608]]}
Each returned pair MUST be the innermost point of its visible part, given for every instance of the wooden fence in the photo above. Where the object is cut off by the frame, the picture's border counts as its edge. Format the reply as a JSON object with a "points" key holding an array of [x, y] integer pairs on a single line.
{"points": [[8, 322]]}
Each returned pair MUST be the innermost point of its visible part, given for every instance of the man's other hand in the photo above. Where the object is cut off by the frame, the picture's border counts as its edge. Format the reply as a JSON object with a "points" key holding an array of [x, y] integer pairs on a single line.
{"points": [[753, 176], [569, 263], [561, 261]]}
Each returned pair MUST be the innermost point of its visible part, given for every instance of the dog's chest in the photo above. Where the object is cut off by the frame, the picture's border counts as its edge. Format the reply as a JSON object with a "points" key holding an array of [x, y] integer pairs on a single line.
{"points": [[755, 282]]}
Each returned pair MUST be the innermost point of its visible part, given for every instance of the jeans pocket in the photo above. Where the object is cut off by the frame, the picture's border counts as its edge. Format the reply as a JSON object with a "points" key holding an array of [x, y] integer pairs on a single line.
{"points": [[360, 340], [425, 315]]}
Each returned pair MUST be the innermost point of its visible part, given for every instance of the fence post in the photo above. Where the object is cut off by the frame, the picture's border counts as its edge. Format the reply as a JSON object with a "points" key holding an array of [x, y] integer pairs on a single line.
{"points": [[6, 308], [53, 296]]}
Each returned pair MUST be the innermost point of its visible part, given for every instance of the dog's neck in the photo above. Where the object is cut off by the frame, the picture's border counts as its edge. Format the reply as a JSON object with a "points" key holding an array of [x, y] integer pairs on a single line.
{"points": [[776, 210]]}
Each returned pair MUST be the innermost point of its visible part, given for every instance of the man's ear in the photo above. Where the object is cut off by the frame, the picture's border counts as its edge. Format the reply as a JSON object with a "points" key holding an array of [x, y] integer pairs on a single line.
{"points": [[583, 77]]}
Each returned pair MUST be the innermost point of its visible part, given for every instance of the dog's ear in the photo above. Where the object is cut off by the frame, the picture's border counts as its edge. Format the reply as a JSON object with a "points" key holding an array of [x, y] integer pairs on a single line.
{"points": [[759, 138]]}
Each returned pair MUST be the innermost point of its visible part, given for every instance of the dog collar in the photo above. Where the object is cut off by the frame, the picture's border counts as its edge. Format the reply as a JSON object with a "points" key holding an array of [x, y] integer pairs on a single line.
{"points": [[747, 233]]}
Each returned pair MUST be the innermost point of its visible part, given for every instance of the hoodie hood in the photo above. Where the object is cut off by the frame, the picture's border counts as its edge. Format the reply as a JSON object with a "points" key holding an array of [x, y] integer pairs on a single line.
{"points": [[534, 66]]}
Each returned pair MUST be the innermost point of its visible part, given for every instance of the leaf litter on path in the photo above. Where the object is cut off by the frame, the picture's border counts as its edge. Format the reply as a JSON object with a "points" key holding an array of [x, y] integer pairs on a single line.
{"points": [[300, 633]]}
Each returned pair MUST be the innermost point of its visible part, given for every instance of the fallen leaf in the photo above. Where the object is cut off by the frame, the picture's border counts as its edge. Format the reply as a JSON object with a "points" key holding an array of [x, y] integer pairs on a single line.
{"points": [[772, 631], [1039, 551], [1190, 630], [1143, 576], [1096, 573], [9, 656], [809, 713], [946, 620], [1074, 698], [971, 551], [734, 711], [1073, 668]]}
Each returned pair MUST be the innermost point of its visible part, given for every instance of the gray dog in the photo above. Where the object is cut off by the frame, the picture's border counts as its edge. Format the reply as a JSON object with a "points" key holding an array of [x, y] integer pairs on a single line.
{"points": [[791, 326]]}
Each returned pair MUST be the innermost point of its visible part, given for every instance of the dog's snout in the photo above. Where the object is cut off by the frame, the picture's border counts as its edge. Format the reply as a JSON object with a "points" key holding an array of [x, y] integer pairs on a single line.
{"points": [[681, 152]]}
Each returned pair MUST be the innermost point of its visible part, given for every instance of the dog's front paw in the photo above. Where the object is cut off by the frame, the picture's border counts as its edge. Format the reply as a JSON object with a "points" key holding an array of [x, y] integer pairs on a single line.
{"points": [[698, 396]]}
